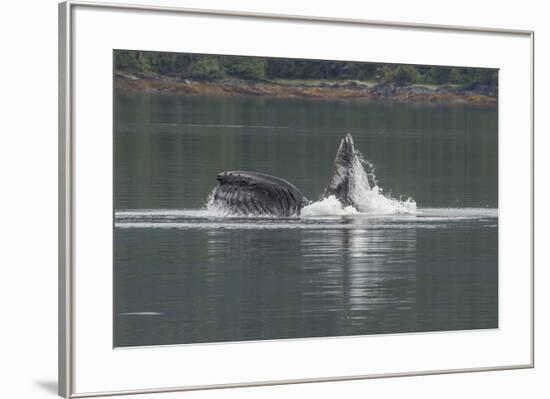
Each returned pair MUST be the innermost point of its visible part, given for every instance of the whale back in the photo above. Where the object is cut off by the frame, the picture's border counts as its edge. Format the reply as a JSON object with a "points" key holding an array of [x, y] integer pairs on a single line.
{"points": [[251, 193], [340, 183]]}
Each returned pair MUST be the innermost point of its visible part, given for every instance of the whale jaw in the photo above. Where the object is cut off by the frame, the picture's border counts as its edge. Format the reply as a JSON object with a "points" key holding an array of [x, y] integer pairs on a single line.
{"points": [[340, 183], [251, 193]]}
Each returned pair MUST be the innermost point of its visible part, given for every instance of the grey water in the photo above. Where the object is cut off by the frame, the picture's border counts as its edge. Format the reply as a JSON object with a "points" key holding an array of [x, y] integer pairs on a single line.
{"points": [[185, 275]]}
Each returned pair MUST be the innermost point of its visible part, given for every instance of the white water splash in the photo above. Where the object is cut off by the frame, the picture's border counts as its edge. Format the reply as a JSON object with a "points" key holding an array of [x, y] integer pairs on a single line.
{"points": [[367, 196], [217, 209], [329, 206]]}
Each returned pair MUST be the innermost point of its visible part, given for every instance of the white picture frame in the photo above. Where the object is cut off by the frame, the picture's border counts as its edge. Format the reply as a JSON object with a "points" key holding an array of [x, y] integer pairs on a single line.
{"points": [[89, 366]]}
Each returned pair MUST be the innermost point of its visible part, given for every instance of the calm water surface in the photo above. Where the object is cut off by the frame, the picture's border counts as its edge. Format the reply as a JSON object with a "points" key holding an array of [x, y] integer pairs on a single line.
{"points": [[183, 275]]}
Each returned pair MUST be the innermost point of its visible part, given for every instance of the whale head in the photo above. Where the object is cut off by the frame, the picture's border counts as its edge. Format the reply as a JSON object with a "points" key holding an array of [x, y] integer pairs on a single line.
{"points": [[340, 183], [252, 193], [346, 151]]}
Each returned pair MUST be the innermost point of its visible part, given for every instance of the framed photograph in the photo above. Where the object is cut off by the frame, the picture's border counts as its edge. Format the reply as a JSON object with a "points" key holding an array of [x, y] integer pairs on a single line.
{"points": [[254, 199]]}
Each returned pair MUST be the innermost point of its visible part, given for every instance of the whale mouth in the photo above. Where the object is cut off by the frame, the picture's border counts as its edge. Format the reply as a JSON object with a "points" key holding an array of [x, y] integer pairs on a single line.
{"points": [[346, 151], [340, 183], [252, 193]]}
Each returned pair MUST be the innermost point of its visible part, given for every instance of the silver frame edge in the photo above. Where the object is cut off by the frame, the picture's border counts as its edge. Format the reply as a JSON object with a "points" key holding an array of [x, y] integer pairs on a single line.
{"points": [[296, 17], [260, 384], [532, 193], [66, 204], [65, 231]]}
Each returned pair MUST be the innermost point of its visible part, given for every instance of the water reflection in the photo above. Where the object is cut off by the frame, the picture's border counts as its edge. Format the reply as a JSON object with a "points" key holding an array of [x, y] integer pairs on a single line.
{"points": [[360, 270], [343, 276]]}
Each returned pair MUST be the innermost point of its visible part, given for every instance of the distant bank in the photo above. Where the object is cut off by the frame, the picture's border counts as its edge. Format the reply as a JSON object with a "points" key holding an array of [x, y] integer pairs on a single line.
{"points": [[314, 89]]}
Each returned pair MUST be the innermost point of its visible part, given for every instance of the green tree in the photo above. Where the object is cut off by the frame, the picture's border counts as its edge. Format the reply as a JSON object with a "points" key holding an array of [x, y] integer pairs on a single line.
{"points": [[214, 67], [206, 68], [387, 73], [438, 75], [135, 61], [247, 68], [456, 76], [405, 74], [165, 63]]}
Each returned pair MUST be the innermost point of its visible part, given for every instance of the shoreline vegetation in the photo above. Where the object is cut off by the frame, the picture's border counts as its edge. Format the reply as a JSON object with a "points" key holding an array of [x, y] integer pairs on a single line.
{"points": [[206, 75]]}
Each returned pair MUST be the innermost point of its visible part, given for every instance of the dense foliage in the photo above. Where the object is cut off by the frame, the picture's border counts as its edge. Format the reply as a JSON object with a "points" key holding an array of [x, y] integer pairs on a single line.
{"points": [[217, 67]]}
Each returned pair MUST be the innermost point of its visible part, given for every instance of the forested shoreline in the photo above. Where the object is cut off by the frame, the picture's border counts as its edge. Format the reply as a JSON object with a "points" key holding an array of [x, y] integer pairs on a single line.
{"points": [[193, 74]]}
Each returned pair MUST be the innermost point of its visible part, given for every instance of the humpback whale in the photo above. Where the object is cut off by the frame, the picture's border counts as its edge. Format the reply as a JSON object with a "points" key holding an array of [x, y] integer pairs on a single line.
{"points": [[252, 193], [341, 182]]}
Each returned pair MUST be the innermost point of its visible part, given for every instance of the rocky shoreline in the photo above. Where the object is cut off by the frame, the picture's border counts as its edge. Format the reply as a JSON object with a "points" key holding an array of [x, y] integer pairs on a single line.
{"points": [[336, 90]]}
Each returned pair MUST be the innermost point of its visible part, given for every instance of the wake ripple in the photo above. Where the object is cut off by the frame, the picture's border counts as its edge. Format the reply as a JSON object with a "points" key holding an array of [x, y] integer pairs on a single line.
{"points": [[208, 220]]}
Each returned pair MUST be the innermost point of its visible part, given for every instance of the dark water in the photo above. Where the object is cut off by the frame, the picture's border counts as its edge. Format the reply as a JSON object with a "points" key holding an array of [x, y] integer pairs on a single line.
{"points": [[187, 276]]}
